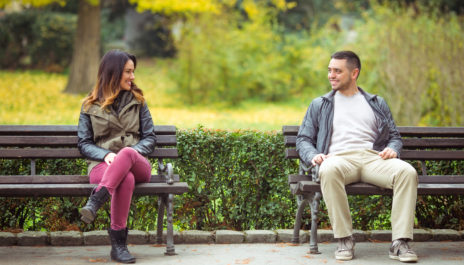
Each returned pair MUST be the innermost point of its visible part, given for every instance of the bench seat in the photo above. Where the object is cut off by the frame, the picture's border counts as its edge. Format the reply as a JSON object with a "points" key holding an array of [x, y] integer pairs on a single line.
{"points": [[420, 144], [60, 142]]}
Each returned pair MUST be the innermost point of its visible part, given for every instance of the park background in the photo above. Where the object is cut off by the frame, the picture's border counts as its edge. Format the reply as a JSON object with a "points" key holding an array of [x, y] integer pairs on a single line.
{"points": [[229, 74]]}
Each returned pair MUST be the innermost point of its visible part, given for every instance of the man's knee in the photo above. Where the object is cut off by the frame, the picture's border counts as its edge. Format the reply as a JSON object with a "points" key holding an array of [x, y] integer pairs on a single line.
{"points": [[409, 174]]}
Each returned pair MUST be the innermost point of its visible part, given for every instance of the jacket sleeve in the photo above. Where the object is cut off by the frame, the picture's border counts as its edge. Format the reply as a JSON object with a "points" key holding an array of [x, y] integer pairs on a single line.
{"points": [[307, 135], [85, 141], [394, 139], [147, 142]]}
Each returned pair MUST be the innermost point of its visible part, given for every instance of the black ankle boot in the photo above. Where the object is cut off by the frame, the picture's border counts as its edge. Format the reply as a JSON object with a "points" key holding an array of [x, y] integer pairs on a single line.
{"points": [[119, 251], [96, 200]]}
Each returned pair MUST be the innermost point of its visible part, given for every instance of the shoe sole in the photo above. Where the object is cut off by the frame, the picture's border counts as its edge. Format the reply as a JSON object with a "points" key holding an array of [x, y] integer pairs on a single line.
{"points": [[410, 259], [87, 216], [344, 258], [124, 261]]}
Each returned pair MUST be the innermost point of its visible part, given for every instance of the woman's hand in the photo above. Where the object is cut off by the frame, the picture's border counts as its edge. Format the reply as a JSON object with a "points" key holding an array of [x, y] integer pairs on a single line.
{"points": [[109, 158]]}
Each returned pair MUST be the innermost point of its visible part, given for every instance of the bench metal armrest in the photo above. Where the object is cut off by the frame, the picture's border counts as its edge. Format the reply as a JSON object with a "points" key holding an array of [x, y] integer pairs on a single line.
{"points": [[313, 170], [166, 170]]}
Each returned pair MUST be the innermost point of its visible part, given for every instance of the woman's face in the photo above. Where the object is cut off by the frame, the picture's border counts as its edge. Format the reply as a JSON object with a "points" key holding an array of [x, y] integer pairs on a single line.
{"points": [[127, 75]]}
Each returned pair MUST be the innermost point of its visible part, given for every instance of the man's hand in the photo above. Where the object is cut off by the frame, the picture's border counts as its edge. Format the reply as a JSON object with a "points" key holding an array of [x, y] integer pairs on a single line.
{"points": [[318, 159], [388, 153], [109, 158]]}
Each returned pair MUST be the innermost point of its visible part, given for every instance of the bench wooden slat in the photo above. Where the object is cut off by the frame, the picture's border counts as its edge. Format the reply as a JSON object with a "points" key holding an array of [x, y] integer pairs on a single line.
{"points": [[58, 190], [442, 179], [65, 130], [290, 130], [422, 143], [63, 179], [38, 130], [417, 131], [66, 140], [404, 131], [71, 153], [368, 189], [411, 154], [294, 178], [432, 155], [438, 179]]}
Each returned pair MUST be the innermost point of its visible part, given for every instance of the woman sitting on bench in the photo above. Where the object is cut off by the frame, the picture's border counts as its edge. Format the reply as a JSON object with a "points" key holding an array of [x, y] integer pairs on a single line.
{"points": [[115, 132]]}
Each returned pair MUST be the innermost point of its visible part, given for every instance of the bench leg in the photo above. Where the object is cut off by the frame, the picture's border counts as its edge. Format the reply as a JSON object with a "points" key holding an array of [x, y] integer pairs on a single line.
{"points": [[159, 231], [170, 231], [301, 201], [316, 198]]}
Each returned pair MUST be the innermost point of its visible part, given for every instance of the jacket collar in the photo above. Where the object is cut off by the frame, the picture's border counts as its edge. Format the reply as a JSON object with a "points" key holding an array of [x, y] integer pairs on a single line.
{"points": [[329, 96], [96, 110]]}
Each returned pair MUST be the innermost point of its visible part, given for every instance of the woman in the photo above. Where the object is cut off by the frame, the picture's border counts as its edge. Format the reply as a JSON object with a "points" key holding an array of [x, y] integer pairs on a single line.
{"points": [[115, 133]]}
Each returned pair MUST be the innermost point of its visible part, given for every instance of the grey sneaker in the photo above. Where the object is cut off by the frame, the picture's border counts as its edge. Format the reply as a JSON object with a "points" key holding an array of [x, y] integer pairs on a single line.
{"points": [[345, 248], [401, 251]]}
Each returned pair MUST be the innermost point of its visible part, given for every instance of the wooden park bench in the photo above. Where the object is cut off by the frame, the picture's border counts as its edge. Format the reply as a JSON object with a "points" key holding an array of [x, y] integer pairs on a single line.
{"points": [[60, 141], [419, 144]]}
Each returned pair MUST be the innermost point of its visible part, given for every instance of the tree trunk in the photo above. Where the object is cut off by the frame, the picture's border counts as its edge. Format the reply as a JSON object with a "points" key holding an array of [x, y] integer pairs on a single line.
{"points": [[86, 53]]}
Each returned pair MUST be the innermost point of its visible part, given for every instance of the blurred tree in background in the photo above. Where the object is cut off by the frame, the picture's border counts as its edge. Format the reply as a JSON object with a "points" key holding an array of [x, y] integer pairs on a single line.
{"points": [[230, 51], [86, 52]]}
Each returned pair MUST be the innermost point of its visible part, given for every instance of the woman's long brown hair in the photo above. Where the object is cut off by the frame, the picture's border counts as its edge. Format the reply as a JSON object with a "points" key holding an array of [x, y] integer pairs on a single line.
{"points": [[109, 79]]}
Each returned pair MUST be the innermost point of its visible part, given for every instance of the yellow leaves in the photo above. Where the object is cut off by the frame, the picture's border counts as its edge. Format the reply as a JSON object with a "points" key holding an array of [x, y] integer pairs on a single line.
{"points": [[251, 9], [38, 3], [177, 6], [32, 97], [36, 98], [283, 4]]}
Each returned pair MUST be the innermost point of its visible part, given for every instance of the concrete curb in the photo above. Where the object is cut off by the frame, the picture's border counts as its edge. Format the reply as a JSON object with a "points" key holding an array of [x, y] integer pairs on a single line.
{"points": [[76, 238]]}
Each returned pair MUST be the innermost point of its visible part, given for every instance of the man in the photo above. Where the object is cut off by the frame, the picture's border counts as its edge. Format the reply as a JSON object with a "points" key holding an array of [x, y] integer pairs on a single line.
{"points": [[351, 135]]}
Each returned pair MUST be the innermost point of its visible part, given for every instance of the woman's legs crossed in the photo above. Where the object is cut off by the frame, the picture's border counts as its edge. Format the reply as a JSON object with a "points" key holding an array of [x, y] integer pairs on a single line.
{"points": [[119, 178]]}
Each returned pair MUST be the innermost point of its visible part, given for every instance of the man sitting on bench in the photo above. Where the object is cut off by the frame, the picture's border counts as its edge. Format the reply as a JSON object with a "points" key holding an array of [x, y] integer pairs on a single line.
{"points": [[352, 136]]}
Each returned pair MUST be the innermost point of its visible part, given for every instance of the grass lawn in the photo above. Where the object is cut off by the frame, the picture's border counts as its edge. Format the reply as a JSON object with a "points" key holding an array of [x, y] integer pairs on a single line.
{"points": [[36, 97]]}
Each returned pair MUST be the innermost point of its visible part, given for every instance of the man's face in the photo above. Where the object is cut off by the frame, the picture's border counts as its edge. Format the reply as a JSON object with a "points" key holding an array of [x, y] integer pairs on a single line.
{"points": [[340, 76]]}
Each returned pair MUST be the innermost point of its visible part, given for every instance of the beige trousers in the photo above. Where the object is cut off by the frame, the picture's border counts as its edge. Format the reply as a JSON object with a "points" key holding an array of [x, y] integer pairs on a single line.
{"points": [[367, 166]]}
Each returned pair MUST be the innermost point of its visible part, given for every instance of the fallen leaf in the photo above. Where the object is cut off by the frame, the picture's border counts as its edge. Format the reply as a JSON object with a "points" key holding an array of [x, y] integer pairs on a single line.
{"points": [[100, 260], [244, 261], [377, 241], [308, 256], [158, 245], [324, 261], [453, 258]]}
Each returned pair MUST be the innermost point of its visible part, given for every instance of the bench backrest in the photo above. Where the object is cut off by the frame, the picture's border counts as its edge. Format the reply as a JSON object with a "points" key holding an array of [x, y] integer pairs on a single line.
{"points": [[419, 143], [60, 141]]}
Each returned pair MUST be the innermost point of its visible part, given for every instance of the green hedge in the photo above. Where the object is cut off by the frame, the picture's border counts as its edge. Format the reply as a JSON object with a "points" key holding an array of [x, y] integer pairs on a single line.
{"points": [[237, 179]]}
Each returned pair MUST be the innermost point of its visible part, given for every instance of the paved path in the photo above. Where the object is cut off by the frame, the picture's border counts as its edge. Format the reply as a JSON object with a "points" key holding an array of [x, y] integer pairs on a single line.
{"points": [[433, 253]]}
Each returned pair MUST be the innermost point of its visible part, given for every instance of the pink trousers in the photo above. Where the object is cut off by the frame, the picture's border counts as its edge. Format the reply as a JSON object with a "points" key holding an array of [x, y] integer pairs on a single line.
{"points": [[129, 167]]}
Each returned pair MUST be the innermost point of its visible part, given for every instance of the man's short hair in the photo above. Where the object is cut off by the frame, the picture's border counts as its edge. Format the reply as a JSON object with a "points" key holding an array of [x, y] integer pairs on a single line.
{"points": [[352, 59]]}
